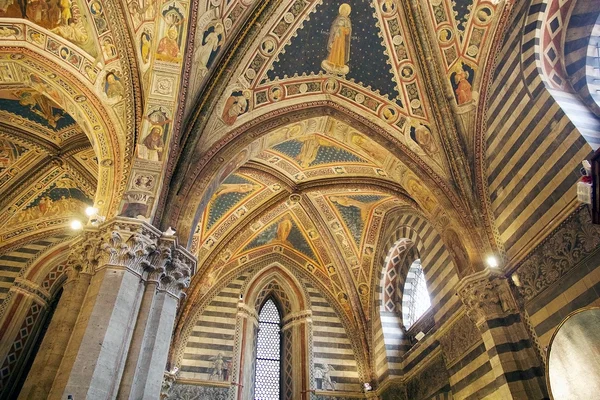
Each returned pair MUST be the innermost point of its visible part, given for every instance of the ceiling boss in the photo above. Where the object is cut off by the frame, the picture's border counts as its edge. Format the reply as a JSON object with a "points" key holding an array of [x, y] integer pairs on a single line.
{"points": [[338, 45]]}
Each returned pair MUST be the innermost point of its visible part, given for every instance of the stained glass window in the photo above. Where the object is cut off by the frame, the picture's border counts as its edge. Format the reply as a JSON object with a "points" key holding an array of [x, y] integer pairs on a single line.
{"points": [[268, 353], [415, 297]]}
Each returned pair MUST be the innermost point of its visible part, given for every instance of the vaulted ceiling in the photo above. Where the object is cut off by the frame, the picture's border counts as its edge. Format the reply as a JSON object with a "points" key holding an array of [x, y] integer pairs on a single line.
{"points": [[292, 129], [285, 153]]}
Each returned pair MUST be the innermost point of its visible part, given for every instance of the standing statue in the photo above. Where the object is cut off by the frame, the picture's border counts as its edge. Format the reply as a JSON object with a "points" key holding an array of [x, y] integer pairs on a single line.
{"points": [[338, 45], [219, 368]]}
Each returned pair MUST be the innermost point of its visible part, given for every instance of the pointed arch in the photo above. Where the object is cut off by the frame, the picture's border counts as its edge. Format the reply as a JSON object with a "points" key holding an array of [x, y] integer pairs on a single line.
{"points": [[200, 173]]}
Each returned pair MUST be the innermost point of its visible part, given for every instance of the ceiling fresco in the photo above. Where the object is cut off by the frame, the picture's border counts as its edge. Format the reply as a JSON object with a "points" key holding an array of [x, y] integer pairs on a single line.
{"points": [[102, 102], [362, 51], [463, 28], [284, 232]]}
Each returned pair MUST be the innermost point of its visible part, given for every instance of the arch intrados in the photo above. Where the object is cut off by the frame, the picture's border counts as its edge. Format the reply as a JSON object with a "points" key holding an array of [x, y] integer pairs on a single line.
{"points": [[42, 265], [194, 191], [411, 251], [110, 148]]}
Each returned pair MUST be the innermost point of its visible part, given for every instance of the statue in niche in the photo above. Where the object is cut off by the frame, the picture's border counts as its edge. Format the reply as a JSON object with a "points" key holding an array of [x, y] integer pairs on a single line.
{"points": [[220, 369], [338, 45], [323, 377]]}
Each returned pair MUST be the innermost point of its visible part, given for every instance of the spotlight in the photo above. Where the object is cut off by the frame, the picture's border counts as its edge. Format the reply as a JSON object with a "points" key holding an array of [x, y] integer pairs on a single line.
{"points": [[90, 211], [492, 262], [76, 225]]}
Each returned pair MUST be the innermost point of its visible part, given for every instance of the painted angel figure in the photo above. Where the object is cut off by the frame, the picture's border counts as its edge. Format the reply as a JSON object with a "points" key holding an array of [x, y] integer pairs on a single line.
{"points": [[210, 44], [338, 45]]}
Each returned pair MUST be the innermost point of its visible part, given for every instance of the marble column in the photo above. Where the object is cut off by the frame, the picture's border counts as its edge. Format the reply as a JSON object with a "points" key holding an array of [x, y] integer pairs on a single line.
{"points": [[295, 331], [169, 273], [112, 329], [95, 355], [51, 352], [491, 304], [243, 377]]}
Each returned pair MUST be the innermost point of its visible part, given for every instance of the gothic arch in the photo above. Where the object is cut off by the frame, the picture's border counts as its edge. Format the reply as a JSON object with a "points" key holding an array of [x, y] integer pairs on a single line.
{"points": [[197, 303], [112, 144]]}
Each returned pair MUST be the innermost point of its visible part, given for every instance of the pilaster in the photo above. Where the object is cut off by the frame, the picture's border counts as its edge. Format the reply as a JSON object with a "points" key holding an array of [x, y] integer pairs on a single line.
{"points": [[490, 303]]}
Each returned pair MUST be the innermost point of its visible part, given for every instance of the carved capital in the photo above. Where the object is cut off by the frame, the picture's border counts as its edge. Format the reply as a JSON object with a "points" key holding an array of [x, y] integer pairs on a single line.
{"points": [[179, 265], [83, 257], [486, 295], [127, 243], [158, 261]]}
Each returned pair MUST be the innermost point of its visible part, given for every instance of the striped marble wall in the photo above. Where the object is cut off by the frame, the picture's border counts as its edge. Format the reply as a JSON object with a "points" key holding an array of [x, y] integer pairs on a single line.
{"points": [[213, 334], [441, 278], [14, 261], [215, 331], [533, 150], [331, 344]]}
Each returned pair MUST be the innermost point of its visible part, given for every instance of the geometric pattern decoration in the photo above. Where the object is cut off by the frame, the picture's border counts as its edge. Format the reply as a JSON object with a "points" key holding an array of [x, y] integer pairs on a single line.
{"points": [[19, 344]]}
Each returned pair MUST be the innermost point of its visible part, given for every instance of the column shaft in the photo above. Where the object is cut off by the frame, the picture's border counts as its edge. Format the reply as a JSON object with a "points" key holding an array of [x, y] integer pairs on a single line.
{"points": [[95, 355], [491, 304], [46, 364]]}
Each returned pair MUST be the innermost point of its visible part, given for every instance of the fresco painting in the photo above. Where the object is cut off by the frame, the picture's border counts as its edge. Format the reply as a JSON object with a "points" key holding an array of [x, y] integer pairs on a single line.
{"points": [[66, 18], [339, 39], [314, 150], [36, 107], [230, 193], [355, 211], [284, 231], [63, 198], [9, 153]]}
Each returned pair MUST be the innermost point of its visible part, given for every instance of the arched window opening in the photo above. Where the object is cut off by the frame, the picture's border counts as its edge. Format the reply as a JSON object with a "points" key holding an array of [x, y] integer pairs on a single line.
{"points": [[415, 299], [268, 353]]}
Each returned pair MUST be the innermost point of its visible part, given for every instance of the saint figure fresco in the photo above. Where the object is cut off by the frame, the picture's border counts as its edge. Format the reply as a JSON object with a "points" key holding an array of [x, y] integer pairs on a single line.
{"points": [[152, 146], [168, 48], [236, 105], [338, 45], [461, 84]]}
